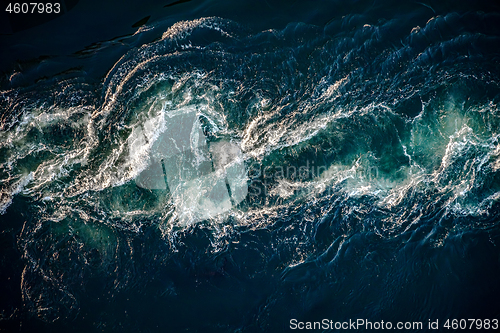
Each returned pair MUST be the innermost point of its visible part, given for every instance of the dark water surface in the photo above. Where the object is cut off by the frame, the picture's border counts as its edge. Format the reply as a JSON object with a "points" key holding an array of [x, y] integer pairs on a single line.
{"points": [[369, 132]]}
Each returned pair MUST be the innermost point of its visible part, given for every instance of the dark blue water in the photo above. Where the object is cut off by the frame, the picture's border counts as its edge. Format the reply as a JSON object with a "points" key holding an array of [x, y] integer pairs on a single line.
{"points": [[368, 132]]}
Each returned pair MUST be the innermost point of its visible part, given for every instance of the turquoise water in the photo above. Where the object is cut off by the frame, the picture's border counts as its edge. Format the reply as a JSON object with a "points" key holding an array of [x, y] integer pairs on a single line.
{"points": [[358, 156]]}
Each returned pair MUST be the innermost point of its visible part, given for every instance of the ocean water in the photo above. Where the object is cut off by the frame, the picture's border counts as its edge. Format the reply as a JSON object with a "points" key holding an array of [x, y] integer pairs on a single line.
{"points": [[222, 166]]}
